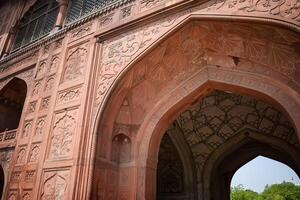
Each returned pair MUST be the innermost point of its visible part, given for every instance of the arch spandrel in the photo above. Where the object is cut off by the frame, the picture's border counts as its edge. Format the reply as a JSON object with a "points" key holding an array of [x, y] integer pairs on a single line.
{"points": [[186, 64], [123, 51]]}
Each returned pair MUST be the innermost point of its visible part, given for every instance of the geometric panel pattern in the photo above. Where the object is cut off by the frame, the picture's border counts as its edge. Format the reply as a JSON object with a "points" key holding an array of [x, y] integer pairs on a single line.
{"points": [[220, 115]]}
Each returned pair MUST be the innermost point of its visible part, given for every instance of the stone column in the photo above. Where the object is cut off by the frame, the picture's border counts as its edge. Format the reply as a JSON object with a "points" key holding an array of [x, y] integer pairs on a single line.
{"points": [[63, 5]]}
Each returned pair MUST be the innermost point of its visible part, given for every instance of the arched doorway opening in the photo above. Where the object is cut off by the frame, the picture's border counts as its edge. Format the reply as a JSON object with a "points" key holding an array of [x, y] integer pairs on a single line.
{"points": [[223, 131], [261, 173], [12, 97], [173, 78]]}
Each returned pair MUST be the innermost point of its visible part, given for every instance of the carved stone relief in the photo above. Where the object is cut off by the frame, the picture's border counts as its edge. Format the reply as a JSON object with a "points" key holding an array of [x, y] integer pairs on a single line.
{"points": [[26, 196], [41, 68], [12, 195], [75, 64], [49, 83], [119, 51], [30, 175], [54, 63], [40, 126], [45, 103], [34, 153], [55, 185], [104, 21], [31, 107], [284, 9], [81, 31], [69, 95], [21, 155], [36, 88], [15, 176], [27, 128], [62, 134]]}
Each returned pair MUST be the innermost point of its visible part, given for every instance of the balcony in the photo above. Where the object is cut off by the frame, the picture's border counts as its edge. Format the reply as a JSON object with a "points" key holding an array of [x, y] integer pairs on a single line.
{"points": [[8, 138]]}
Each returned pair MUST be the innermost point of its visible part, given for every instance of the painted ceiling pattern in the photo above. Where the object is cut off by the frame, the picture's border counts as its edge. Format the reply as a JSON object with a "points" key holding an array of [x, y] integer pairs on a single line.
{"points": [[221, 115]]}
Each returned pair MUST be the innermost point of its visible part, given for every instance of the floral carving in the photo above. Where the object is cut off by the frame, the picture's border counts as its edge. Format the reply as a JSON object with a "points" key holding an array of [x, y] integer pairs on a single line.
{"points": [[55, 185], [69, 95], [75, 64], [118, 52], [283, 8], [63, 132], [81, 31]]}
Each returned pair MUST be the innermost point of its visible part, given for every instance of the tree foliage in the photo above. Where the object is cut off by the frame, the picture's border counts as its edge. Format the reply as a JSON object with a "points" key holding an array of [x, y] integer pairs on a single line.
{"points": [[283, 191]]}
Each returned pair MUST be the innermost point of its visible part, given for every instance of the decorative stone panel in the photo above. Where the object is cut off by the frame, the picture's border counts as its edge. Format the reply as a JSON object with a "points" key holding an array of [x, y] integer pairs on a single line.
{"points": [[63, 132], [55, 185], [75, 63]]}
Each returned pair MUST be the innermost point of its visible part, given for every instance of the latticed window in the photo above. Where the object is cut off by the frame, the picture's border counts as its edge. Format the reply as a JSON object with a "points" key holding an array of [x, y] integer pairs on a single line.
{"points": [[81, 8], [37, 22]]}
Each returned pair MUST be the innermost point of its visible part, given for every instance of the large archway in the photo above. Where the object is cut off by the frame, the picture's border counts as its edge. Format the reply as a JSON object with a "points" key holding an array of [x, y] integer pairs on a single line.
{"points": [[12, 97], [200, 57], [223, 132]]}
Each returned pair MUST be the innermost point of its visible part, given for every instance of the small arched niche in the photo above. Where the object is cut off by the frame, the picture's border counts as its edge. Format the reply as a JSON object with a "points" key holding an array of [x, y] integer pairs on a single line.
{"points": [[121, 149], [12, 98]]}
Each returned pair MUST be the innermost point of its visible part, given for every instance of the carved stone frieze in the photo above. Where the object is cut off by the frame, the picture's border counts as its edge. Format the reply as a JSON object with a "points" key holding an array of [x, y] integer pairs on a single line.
{"points": [[81, 31], [104, 21], [147, 4], [75, 64], [55, 185], [62, 134], [69, 95], [285, 9]]}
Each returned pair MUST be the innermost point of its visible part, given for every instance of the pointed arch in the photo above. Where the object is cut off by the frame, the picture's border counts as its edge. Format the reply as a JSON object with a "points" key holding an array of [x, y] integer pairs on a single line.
{"points": [[12, 98]]}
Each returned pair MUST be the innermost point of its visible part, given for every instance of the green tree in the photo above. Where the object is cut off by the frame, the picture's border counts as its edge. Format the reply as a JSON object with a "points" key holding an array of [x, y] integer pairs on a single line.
{"points": [[239, 193], [283, 191]]}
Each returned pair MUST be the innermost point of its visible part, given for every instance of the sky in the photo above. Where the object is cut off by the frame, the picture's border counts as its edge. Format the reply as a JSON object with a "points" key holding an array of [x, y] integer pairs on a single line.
{"points": [[259, 172]]}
